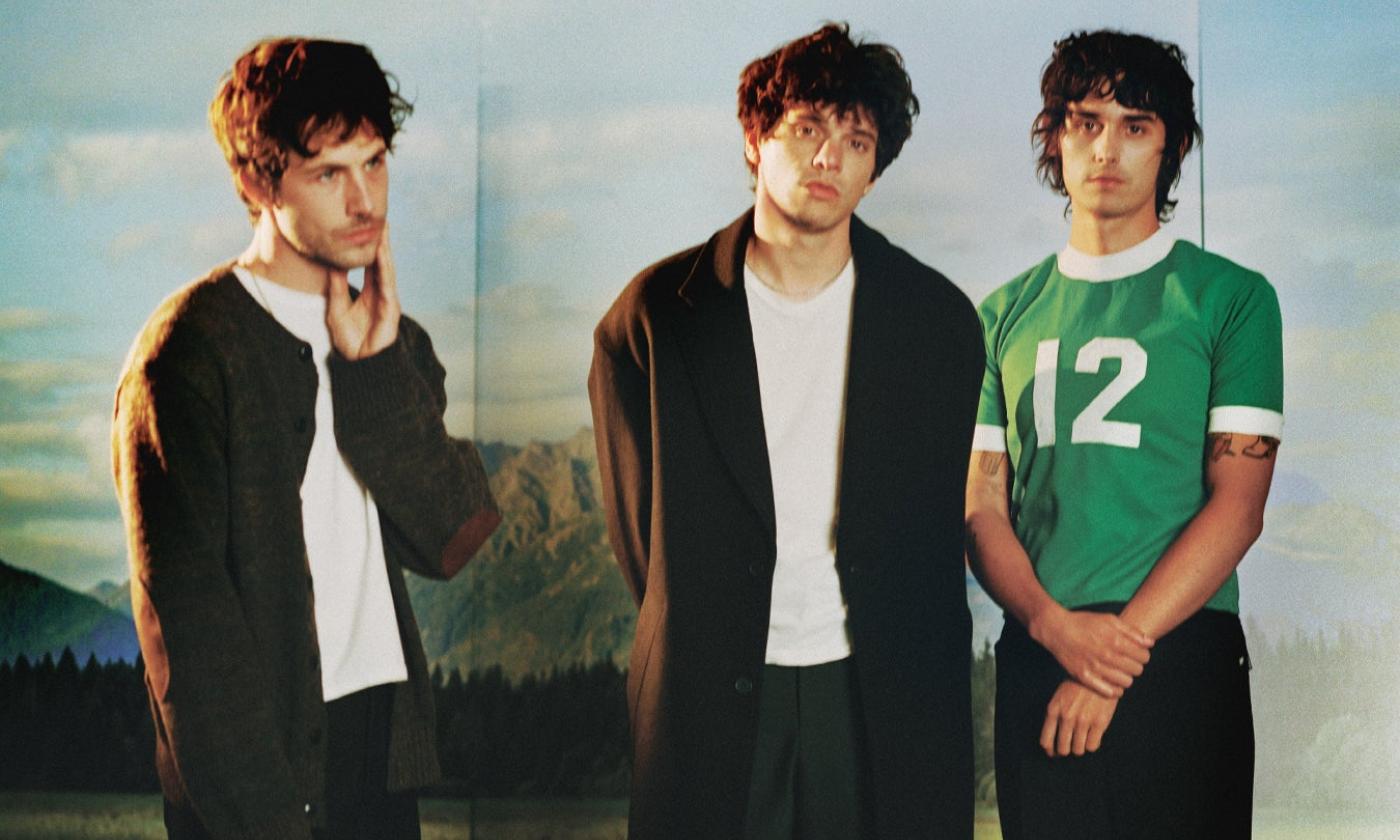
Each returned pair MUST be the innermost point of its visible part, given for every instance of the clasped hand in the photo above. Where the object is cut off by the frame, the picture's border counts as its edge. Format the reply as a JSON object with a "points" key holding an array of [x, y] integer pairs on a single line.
{"points": [[1099, 650]]}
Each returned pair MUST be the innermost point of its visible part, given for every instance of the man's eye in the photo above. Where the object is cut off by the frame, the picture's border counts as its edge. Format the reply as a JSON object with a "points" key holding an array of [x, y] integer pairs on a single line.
{"points": [[326, 175], [374, 162], [806, 131], [859, 146]]}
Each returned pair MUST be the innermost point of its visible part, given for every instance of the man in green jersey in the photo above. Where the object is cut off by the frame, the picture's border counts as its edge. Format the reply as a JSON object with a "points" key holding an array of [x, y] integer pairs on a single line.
{"points": [[1130, 416]]}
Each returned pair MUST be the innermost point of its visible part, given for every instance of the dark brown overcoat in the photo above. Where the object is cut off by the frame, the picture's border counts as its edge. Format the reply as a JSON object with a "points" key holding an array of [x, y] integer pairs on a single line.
{"points": [[681, 448]]}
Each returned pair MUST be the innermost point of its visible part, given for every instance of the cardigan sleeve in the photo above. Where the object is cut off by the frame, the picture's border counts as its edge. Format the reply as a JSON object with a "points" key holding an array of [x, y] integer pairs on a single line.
{"points": [[212, 714], [431, 488]]}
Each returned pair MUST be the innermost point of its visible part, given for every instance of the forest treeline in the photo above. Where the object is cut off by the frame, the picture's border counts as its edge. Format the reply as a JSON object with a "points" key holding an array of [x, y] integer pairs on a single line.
{"points": [[1325, 719]]}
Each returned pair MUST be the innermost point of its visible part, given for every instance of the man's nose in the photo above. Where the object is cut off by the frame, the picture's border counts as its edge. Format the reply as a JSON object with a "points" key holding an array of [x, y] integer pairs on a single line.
{"points": [[1106, 145], [358, 200], [828, 156]]}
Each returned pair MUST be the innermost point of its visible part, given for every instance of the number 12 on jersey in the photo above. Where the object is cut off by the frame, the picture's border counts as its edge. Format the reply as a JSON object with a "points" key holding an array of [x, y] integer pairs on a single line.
{"points": [[1090, 426]]}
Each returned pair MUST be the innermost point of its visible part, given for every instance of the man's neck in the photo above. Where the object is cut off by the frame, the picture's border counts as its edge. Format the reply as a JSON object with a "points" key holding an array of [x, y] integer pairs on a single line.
{"points": [[795, 263], [1099, 236], [271, 257]]}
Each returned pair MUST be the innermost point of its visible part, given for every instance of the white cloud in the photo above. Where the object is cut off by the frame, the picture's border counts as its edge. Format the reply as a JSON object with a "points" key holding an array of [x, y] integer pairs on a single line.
{"points": [[102, 164], [598, 150], [20, 318], [8, 138], [1344, 367], [133, 240]]}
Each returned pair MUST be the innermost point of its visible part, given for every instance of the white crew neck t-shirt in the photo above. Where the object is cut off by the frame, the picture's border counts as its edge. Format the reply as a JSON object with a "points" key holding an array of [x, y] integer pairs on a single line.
{"points": [[356, 628], [802, 347]]}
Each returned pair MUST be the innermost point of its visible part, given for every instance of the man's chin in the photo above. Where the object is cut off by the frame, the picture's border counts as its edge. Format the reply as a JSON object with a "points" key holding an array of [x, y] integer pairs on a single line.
{"points": [[346, 260]]}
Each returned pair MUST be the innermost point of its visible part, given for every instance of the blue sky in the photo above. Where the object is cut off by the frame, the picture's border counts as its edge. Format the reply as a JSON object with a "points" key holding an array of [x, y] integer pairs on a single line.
{"points": [[605, 139]]}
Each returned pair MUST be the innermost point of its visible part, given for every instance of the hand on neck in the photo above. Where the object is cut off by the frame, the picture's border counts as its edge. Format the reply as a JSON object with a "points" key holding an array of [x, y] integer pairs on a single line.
{"points": [[273, 258]]}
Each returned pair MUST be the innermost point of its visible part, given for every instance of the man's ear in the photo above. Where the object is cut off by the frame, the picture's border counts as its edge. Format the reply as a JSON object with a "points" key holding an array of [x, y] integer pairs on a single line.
{"points": [[256, 188], [869, 185], [751, 148]]}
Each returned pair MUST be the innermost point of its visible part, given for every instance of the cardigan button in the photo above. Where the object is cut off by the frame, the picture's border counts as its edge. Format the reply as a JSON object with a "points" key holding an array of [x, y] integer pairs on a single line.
{"points": [[304, 352], [743, 685]]}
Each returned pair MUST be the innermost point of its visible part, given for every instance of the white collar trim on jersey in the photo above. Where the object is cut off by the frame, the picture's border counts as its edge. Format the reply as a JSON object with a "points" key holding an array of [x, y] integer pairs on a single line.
{"points": [[1135, 260]]}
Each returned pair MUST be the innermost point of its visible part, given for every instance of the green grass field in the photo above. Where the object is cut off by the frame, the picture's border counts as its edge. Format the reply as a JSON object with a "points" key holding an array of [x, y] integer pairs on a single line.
{"points": [[80, 816]]}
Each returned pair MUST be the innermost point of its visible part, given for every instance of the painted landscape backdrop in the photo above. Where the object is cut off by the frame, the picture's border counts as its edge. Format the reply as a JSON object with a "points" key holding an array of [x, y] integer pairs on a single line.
{"points": [[557, 149]]}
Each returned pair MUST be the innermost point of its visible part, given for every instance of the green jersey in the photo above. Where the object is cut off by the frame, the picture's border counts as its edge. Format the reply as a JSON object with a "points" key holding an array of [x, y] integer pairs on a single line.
{"points": [[1104, 376]]}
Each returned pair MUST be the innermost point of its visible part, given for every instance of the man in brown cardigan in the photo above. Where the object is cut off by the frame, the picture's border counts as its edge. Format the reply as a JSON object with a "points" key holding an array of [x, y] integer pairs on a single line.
{"points": [[280, 456]]}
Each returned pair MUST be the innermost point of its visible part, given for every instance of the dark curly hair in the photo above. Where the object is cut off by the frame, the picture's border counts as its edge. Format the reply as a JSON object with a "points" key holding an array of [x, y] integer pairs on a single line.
{"points": [[828, 68], [1136, 71], [282, 92]]}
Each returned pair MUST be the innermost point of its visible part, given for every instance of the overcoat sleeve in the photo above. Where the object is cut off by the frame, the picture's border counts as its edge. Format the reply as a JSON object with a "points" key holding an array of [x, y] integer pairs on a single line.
{"points": [[619, 390], [431, 488], [205, 683]]}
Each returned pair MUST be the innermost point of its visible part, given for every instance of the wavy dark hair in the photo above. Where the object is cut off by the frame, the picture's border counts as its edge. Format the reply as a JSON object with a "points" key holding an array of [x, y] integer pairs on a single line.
{"points": [[1136, 71], [283, 92], [828, 68]]}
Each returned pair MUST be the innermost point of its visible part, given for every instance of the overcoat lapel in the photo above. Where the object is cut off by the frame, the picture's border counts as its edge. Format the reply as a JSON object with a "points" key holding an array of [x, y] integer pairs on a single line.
{"points": [[874, 374], [717, 342]]}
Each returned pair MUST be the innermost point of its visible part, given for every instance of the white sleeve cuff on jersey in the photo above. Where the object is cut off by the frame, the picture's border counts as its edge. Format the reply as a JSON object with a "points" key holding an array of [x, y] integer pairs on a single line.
{"points": [[1245, 420], [989, 438]]}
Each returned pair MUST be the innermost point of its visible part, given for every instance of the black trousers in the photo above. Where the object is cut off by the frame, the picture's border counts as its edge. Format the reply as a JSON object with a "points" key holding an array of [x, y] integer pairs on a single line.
{"points": [[810, 779], [1177, 759], [358, 803]]}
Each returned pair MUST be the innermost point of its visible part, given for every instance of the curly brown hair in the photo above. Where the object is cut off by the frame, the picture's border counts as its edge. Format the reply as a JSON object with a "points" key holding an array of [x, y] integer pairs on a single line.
{"points": [[284, 92], [1136, 71], [828, 68]]}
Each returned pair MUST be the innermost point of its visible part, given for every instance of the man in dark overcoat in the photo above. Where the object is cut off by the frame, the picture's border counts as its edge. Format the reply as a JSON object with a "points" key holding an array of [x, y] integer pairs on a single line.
{"points": [[784, 416]]}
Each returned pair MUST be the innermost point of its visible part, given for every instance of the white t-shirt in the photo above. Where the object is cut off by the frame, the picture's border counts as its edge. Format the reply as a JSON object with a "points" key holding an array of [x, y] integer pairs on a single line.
{"points": [[802, 348], [356, 627]]}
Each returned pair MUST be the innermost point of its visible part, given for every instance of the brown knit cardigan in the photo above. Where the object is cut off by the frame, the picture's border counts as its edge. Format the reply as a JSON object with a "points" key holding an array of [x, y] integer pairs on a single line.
{"points": [[213, 423]]}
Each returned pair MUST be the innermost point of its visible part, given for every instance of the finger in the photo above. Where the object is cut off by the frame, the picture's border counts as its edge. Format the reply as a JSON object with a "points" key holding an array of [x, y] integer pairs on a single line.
{"points": [[1096, 683], [384, 266], [1081, 734], [1095, 739], [337, 293], [1064, 736], [1047, 732], [1133, 633], [1128, 665]]}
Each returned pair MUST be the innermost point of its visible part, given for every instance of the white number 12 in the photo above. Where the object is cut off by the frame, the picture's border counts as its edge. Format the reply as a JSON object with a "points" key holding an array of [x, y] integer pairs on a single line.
{"points": [[1090, 426]]}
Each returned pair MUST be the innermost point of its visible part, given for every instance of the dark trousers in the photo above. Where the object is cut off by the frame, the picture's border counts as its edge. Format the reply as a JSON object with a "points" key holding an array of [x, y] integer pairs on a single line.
{"points": [[810, 780], [1177, 759], [359, 805]]}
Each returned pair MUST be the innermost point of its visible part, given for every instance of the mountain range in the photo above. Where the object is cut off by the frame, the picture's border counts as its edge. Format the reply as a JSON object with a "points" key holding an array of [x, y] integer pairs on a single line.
{"points": [[544, 592], [41, 617]]}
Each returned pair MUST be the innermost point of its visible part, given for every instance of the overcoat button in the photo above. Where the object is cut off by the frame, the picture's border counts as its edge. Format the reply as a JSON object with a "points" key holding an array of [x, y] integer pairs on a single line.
{"points": [[755, 568], [304, 352], [743, 685]]}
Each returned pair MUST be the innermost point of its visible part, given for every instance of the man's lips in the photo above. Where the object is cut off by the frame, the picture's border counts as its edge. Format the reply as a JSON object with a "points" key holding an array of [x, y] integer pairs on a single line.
{"points": [[821, 189], [364, 234], [1105, 180]]}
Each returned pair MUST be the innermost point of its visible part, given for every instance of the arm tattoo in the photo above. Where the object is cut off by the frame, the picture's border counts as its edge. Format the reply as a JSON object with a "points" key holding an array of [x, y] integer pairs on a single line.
{"points": [[990, 463], [1261, 448]]}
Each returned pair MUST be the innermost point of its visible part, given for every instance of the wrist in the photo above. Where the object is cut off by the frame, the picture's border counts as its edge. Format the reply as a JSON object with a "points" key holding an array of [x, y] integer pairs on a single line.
{"points": [[1043, 624]]}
